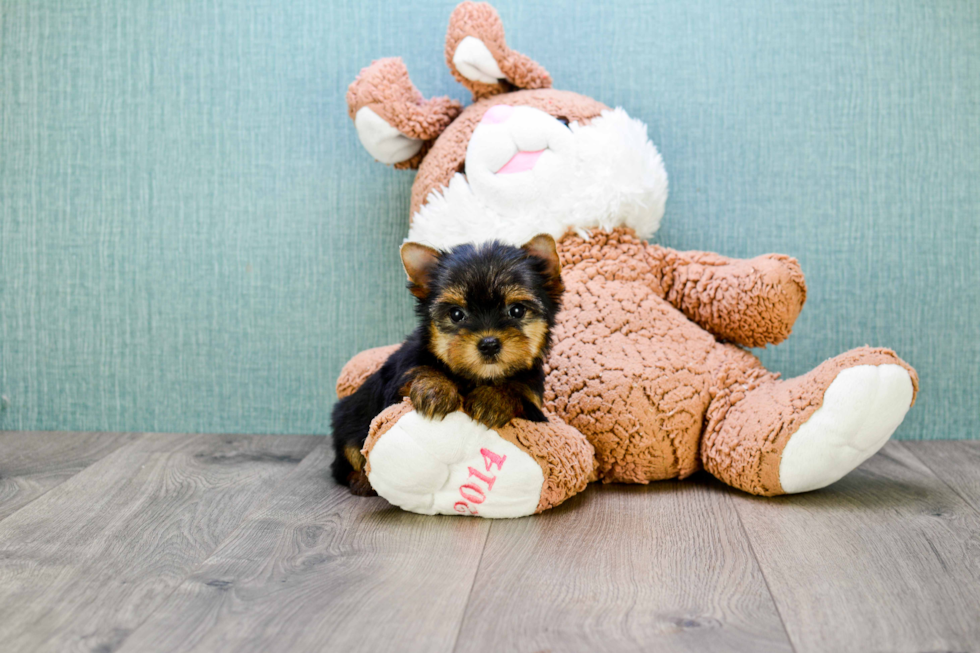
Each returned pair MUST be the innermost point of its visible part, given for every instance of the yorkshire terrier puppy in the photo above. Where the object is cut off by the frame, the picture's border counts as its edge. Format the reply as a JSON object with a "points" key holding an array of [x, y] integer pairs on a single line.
{"points": [[485, 317]]}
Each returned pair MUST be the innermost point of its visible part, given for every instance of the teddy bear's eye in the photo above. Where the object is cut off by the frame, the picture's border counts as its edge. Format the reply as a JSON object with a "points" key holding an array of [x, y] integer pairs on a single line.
{"points": [[456, 314], [562, 119]]}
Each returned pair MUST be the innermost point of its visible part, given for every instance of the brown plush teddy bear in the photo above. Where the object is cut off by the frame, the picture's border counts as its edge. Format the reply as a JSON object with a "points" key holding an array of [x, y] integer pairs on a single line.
{"points": [[647, 378]]}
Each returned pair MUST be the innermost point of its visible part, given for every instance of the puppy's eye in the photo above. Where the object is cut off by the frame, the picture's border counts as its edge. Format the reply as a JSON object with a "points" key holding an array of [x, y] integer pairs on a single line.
{"points": [[516, 311], [456, 314]]}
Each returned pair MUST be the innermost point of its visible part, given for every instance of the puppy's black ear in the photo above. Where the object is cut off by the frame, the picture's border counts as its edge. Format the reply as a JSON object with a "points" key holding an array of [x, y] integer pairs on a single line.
{"points": [[419, 262], [543, 248]]}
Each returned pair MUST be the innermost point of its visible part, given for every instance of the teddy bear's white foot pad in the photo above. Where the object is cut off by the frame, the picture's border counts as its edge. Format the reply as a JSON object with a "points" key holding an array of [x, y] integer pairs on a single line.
{"points": [[861, 409], [453, 466]]}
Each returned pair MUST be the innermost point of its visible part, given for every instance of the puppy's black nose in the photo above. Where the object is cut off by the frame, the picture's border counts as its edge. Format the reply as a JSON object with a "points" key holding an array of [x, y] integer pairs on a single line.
{"points": [[489, 346]]}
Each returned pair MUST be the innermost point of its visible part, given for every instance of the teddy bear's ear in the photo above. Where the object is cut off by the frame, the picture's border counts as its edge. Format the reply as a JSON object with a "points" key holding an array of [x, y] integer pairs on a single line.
{"points": [[394, 122], [479, 58]]}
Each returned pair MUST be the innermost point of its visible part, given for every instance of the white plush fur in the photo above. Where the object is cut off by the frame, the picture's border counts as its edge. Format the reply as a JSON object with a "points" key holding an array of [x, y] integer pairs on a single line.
{"points": [[605, 174], [420, 465], [860, 411]]}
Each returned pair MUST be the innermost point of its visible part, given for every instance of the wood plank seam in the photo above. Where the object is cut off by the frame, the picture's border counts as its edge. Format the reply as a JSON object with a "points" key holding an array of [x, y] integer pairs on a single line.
{"points": [[476, 574], [762, 570], [109, 452], [885, 559], [958, 492], [157, 459], [192, 570], [390, 576]]}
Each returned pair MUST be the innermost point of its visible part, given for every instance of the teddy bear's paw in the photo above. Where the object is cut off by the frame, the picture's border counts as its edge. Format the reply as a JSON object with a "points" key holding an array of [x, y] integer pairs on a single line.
{"points": [[451, 466], [861, 409]]}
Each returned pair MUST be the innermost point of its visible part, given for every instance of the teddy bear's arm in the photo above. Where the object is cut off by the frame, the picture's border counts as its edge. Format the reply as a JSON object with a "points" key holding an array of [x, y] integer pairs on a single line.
{"points": [[750, 302], [361, 367]]}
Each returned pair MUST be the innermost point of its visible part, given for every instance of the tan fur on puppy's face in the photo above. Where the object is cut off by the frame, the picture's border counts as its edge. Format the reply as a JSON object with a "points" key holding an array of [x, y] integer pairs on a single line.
{"points": [[520, 349], [490, 308]]}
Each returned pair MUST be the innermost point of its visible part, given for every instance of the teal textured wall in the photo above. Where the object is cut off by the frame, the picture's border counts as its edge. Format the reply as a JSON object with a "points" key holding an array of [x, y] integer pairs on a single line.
{"points": [[192, 239]]}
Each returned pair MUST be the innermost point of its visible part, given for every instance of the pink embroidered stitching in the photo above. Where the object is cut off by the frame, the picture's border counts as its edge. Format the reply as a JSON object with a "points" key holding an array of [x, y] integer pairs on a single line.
{"points": [[474, 494]]}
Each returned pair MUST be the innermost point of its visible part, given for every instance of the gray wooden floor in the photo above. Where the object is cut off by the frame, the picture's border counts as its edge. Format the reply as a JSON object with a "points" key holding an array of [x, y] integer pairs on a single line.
{"points": [[151, 542]]}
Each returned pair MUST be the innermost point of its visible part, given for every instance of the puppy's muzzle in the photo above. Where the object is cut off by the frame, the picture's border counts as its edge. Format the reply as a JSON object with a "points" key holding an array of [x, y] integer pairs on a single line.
{"points": [[489, 346]]}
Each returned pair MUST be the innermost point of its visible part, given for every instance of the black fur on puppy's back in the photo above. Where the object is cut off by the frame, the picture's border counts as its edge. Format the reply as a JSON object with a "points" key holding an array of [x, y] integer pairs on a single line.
{"points": [[352, 415]]}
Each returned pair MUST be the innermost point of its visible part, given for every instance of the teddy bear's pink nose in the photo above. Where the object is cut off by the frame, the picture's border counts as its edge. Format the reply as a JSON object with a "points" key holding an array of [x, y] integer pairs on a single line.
{"points": [[497, 113]]}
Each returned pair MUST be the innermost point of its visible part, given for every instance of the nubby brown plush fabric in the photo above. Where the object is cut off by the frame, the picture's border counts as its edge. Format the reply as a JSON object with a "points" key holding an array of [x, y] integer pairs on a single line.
{"points": [[655, 394], [648, 377]]}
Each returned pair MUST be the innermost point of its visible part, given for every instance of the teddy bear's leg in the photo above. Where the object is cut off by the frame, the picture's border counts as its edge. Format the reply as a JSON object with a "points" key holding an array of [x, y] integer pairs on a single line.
{"points": [[458, 466], [770, 437]]}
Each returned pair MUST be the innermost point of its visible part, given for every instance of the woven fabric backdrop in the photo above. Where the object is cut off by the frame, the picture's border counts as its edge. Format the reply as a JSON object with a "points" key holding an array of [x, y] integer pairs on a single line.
{"points": [[192, 239]]}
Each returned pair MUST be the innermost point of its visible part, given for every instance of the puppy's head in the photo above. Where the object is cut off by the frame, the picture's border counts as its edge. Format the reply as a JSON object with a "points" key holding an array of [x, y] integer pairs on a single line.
{"points": [[489, 308]]}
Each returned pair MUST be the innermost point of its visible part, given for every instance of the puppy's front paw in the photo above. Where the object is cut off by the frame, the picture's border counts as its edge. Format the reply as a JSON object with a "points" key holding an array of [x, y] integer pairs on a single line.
{"points": [[492, 406], [434, 396]]}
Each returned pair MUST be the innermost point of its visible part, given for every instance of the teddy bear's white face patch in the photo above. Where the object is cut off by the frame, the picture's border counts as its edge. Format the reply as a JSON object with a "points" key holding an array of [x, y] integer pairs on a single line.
{"points": [[513, 153], [528, 173]]}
